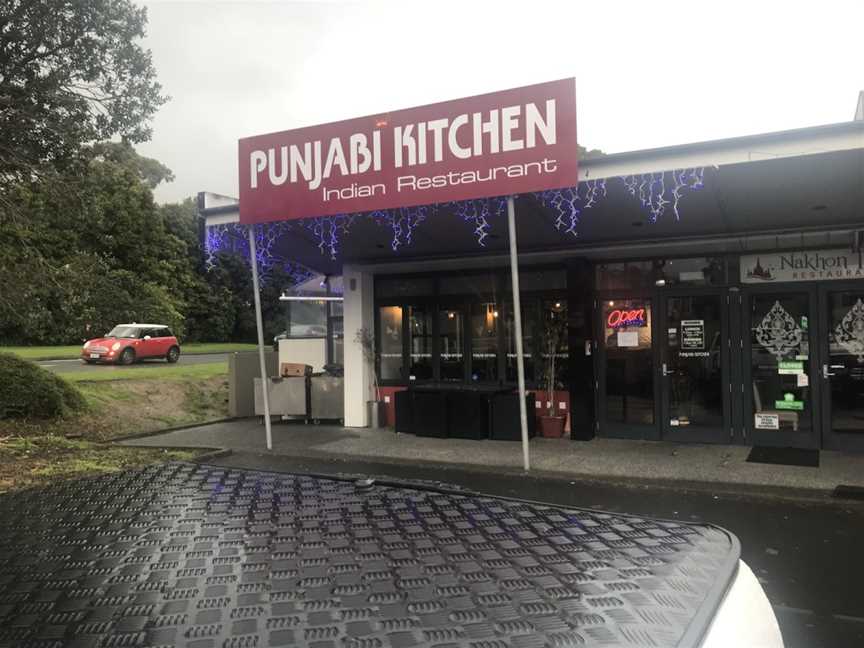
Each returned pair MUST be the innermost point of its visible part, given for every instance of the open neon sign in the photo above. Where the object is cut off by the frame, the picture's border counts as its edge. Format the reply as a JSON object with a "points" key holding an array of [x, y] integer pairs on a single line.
{"points": [[619, 318]]}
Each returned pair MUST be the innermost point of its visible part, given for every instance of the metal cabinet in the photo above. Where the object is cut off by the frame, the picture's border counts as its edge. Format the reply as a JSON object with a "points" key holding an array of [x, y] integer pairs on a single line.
{"points": [[327, 397], [287, 397]]}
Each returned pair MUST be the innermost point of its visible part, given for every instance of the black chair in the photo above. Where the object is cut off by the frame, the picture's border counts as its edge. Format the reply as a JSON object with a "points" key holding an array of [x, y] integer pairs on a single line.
{"points": [[429, 413], [468, 414], [505, 417], [404, 405]]}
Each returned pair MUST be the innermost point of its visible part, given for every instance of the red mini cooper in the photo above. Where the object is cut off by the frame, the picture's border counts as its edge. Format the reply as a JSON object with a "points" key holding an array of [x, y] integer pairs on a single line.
{"points": [[127, 343]]}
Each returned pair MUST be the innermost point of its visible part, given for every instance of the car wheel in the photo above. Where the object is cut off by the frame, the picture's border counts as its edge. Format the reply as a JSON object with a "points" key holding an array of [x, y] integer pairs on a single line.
{"points": [[127, 357], [173, 354]]}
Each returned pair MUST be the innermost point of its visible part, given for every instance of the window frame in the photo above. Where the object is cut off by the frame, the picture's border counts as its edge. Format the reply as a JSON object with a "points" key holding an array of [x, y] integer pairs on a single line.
{"points": [[437, 302]]}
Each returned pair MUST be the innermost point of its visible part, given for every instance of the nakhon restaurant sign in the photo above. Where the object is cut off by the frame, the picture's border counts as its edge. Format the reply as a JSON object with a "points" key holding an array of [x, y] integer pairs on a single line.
{"points": [[496, 144], [802, 266]]}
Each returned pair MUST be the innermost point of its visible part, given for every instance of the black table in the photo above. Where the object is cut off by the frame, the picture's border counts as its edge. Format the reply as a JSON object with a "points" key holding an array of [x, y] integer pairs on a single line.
{"points": [[461, 411]]}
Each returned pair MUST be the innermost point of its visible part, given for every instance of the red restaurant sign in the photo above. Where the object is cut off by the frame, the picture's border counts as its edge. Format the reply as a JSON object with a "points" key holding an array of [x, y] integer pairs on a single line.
{"points": [[496, 144]]}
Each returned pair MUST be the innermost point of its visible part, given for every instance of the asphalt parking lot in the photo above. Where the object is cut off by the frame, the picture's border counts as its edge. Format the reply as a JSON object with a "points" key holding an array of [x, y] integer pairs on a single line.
{"points": [[70, 366]]}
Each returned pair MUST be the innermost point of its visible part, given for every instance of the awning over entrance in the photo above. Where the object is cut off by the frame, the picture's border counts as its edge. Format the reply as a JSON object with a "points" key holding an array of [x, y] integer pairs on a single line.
{"points": [[780, 183]]}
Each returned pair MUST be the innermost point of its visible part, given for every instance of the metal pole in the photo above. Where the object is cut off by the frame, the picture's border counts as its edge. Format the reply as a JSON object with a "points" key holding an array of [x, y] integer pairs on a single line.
{"points": [[517, 319], [253, 260]]}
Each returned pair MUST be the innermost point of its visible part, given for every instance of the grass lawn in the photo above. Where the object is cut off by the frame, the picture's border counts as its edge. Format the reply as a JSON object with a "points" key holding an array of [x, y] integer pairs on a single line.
{"points": [[120, 402], [31, 461], [161, 372], [71, 352]]}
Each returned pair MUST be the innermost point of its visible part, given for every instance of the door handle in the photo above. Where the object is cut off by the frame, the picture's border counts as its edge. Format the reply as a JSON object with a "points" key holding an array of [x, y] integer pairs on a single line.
{"points": [[825, 373], [666, 372]]}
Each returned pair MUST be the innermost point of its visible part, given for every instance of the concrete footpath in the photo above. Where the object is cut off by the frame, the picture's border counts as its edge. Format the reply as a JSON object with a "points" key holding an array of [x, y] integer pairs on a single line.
{"points": [[717, 467]]}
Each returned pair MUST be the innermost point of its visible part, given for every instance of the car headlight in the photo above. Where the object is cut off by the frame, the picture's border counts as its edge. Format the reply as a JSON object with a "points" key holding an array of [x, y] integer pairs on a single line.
{"points": [[86, 344], [115, 346]]}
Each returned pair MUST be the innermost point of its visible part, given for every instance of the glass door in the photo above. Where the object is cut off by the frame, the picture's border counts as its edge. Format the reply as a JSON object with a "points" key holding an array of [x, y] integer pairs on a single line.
{"points": [[419, 336], [626, 387], [778, 371], [451, 344], [694, 373], [842, 372]]}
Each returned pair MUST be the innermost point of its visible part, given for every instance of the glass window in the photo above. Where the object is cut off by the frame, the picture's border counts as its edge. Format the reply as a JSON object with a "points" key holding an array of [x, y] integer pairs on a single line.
{"points": [[307, 319], [336, 309], [390, 342], [529, 325], [480, 285], [337, 285], [699, 271], [338, 353], [419, 343], [538, 280], [555, 311], [629, 365], [621, 276], [404, 286], [846, 360], [484, 341], [780, 362], [693, 356], [695, 272], [451, 344]]}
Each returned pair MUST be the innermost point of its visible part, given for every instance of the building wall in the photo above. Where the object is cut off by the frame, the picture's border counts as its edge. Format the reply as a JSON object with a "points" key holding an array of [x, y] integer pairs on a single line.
{"points": [[358, 314]]}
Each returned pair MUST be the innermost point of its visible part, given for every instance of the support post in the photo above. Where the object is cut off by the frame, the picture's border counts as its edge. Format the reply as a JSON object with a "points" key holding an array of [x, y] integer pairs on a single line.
{"points": [[259, 323], [517, 319]]}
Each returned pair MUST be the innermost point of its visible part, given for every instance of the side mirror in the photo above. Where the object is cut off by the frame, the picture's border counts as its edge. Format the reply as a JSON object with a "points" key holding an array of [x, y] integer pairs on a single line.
{"points": [[146, 337]]}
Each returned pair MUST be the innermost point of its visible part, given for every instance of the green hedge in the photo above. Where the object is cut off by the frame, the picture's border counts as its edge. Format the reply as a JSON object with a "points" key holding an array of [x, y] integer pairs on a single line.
{"points": [[28, 391]]}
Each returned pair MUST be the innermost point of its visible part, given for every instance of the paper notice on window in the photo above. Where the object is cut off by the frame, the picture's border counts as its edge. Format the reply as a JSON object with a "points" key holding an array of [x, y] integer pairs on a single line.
{"points": [[628, 339], [767, 421], [803, 380], [693, 334]]}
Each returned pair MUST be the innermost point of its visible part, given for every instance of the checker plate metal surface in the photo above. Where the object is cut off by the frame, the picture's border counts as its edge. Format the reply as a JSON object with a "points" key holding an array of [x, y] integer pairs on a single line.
{"points": [[204, 557]]}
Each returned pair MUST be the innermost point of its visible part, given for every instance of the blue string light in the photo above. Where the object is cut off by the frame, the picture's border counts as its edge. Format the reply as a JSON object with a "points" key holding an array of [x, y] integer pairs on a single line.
{"points": [[593, 190], [234, 238], [478, 212], [656, 192], [651, 188], [564, 203]]}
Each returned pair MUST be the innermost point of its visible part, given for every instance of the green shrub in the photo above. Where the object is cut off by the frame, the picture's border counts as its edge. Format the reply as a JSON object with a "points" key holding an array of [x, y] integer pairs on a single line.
{"points": [[28, 391]]}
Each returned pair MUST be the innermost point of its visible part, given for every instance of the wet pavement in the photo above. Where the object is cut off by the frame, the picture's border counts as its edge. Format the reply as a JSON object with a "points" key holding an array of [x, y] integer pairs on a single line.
{"points": [[715, 466], [805, 553]]}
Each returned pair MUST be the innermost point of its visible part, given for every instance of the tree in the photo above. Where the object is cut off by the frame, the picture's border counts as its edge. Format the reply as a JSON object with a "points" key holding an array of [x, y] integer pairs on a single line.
{"points": [[151, 172], [71, 73], [585, 154], [96, 253]]}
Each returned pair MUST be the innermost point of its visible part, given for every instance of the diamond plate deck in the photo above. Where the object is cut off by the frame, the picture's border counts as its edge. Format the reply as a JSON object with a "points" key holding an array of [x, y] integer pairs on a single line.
{"points": [[204, 557]]}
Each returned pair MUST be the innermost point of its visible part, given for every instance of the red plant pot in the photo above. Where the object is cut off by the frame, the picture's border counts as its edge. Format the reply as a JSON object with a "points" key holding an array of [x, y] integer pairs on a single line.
{"points": [[552, 427]]}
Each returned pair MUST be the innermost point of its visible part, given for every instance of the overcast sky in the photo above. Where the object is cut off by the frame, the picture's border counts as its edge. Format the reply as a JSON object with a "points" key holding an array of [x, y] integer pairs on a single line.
{"points": [[647, 73]]}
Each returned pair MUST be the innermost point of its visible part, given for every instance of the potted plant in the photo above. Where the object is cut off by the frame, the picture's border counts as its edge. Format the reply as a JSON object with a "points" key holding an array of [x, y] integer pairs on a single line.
{"points": [[553, 335], [375, 406]]}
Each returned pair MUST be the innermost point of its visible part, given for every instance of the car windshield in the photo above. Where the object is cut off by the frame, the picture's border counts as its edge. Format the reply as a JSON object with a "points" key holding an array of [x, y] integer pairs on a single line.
{"points": [[131, 332]]}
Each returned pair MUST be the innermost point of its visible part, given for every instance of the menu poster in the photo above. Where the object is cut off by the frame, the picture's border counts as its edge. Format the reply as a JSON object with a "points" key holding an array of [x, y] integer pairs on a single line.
{"points": [[693, 334]]}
